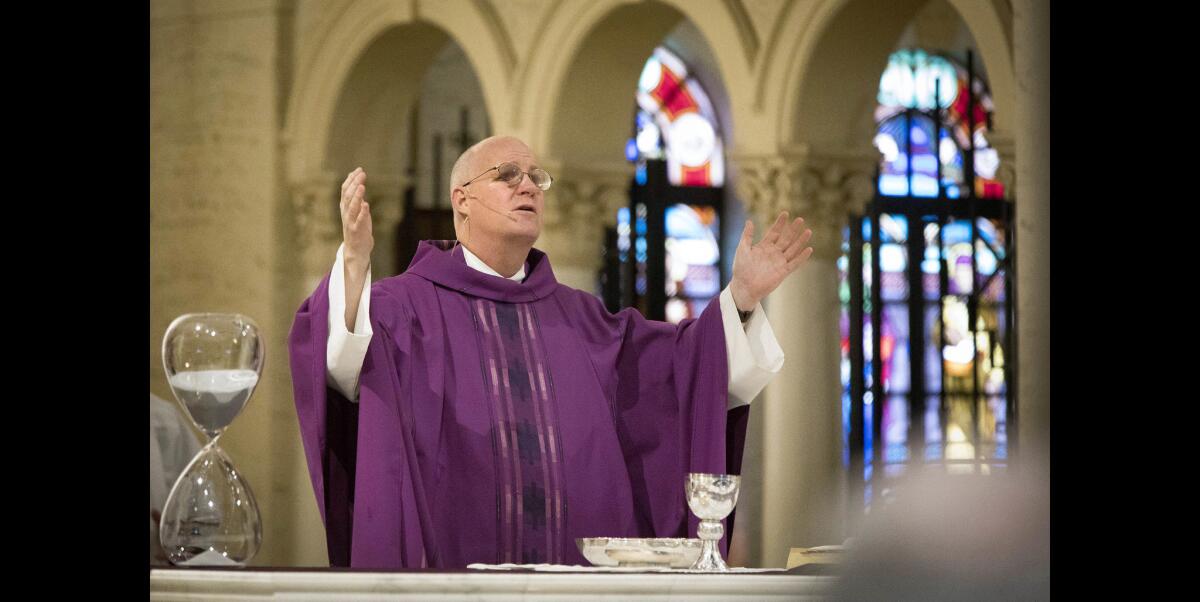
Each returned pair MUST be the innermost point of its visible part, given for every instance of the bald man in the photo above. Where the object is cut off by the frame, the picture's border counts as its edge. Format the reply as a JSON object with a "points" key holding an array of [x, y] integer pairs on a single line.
{"points": [[473, 409]]}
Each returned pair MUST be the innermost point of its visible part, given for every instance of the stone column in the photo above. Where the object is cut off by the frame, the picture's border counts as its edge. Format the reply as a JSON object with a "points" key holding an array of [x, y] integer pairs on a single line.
{"points": [[802, 476], [1031, 49], [580, 205], [216, 204]]}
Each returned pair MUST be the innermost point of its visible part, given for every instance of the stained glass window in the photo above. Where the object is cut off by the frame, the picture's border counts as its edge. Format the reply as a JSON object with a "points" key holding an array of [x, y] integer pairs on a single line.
{"points": [[679, 159], [924, 272], [915, 79], [693, 258], [676, 122]]}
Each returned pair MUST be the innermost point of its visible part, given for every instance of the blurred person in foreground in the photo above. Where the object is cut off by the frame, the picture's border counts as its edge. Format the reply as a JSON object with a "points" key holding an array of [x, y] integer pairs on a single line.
{"points": [[954, 537]]}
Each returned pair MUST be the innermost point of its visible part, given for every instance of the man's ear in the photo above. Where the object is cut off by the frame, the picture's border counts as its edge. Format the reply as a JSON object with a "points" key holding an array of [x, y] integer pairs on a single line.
{"points": [[458, 201]]}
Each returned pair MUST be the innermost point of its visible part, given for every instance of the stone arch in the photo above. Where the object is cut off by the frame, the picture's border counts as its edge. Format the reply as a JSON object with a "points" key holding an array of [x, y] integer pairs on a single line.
{"points": [[371, 111], [352, 104], [825, 77], [573, 102], [363, 26], [591, 55]]}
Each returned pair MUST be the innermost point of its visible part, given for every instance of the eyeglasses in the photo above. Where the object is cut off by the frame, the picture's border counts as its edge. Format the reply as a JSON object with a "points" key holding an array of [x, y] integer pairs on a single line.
{"points": [[511, 174]]}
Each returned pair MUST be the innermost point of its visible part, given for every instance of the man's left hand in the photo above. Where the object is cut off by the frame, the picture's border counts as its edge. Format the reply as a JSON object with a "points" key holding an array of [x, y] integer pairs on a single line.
{"points": [[759, 268]]}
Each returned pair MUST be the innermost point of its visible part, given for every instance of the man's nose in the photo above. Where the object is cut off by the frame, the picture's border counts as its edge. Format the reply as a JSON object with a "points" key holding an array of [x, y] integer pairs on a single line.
{"points": [[526, 186]]}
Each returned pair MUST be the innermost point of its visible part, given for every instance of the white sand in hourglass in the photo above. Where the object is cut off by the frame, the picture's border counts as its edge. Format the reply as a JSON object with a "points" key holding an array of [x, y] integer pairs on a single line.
{"points": [[214, 397]]}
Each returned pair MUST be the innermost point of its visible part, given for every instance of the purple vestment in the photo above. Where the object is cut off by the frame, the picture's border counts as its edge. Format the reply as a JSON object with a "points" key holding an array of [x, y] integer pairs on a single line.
{"points": [[498, 421]]}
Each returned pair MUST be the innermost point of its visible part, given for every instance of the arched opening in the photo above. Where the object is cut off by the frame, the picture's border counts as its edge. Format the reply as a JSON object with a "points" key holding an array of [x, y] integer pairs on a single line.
{"points": [[409, 106], [595, 118], [590, 123]]}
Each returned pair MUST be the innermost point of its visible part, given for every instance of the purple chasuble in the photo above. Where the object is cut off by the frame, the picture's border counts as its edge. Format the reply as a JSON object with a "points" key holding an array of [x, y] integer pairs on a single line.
{"points": [[498, 421]]}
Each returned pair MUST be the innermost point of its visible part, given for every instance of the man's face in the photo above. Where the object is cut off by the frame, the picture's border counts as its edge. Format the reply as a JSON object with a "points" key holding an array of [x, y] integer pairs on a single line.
{"points": [[501, 213]]}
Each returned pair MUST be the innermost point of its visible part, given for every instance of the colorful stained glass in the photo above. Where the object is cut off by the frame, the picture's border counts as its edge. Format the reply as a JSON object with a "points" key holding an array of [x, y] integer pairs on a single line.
{"points": [[911, 81], [693, 259], [956, 253], [931, 283], [965, 330], [677, 310], [959, 442], [934, 446], [845, 423], [895, 429], [868, 353], [959, 353], [990, 332], [992, 426], [992, 233], [843, 264], [893, 260], [995, 383], [624, 230], [994, 288], [868, 430], [894, 141], [676, 122], [639, 248], [911, 78], [895, 348], [999, 412], [866, 275], [933, 355], [893, 228]]}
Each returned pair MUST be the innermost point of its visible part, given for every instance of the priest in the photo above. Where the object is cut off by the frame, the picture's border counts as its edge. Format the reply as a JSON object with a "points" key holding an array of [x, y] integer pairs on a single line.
{"points": [[472, 409]]}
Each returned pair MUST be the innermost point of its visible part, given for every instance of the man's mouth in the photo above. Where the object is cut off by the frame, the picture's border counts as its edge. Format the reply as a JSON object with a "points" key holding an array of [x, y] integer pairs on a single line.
{"points": [[526, 207]]}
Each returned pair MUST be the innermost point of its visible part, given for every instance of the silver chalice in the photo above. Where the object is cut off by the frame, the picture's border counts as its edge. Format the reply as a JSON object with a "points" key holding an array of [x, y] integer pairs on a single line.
{"points": [[711, 498]]}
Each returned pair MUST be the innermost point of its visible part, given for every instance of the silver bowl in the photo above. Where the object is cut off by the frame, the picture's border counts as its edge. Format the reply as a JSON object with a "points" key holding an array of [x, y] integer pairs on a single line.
{"points": [[661, 552]]}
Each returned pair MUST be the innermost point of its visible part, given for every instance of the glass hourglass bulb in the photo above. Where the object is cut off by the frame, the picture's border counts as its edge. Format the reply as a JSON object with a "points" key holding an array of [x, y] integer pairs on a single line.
{"points": [[213, 363]]}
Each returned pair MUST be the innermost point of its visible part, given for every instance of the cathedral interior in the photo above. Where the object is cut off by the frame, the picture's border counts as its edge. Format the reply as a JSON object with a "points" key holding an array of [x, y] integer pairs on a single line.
{"points": [[910, 134]]}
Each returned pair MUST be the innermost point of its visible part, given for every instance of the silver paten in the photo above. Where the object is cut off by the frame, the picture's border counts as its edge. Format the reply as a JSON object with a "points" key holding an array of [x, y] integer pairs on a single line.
{"points": [[661, 552]]}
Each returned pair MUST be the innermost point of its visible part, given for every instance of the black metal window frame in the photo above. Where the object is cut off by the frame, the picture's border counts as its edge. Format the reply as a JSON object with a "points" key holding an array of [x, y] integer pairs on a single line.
{"points": [[941, 210]]}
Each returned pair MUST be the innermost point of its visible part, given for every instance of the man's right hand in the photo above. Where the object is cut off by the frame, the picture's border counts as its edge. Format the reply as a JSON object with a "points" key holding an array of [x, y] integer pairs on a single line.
{"points": [[357, 238], [356, 220]]}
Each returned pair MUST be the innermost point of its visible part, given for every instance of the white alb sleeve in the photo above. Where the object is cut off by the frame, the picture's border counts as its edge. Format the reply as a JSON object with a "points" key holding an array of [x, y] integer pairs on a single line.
{"points": [[345, 351], [753, 353]]}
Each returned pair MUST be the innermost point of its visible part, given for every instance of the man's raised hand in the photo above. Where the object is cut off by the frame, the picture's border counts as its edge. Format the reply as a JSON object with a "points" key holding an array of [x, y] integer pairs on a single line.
{"points": [[759, 268], [356, 221]]}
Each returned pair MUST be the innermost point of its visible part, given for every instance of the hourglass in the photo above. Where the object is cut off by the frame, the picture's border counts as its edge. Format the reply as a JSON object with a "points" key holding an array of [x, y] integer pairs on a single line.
{"points": [[213, 362]]}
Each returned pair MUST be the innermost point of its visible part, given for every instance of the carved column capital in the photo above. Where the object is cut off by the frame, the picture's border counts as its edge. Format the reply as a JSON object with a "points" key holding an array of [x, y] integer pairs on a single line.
{"points": [[385, 193], [316, 222], [314, 206], [761, 183], [823, 189], [581, 203]]}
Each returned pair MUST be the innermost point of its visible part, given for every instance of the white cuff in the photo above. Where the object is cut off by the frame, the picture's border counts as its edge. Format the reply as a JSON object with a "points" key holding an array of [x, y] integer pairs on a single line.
{"points": [[345, 351], [754, 355]]}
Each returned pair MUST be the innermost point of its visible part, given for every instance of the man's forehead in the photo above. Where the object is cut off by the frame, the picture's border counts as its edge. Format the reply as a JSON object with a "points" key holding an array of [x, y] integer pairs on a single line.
{"points": [[505, 149]]}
